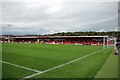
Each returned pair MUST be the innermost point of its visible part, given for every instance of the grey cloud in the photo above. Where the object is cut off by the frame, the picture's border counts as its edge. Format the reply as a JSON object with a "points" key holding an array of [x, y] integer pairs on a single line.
{"points": [[42, 18], [110, 25]]}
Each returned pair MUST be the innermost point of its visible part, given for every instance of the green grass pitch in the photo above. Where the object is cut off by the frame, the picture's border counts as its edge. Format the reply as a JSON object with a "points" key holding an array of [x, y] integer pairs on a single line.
{"points": [[46, 56]]}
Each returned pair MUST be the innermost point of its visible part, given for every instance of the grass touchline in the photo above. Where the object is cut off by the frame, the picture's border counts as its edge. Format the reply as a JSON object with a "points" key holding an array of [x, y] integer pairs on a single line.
{"points": [[30, 76], [20, 66]]}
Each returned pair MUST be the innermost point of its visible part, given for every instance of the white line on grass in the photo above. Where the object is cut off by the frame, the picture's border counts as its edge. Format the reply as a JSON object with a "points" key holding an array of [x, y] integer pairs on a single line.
{"points": [[30, 76], [21, 67]]}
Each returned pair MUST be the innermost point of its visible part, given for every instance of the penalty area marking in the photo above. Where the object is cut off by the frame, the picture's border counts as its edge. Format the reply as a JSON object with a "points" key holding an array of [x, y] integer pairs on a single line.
{"points": [[30, 76], [21, 66]]}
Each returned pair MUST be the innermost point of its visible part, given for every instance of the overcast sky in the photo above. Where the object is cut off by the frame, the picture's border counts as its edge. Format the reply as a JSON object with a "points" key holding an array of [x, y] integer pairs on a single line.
{"points": [[53, 17]]}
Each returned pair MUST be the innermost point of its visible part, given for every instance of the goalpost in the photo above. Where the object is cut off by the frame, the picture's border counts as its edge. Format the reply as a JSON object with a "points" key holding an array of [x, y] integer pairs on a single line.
{"points": [[109, 42], [105, 42], [115, 47]]}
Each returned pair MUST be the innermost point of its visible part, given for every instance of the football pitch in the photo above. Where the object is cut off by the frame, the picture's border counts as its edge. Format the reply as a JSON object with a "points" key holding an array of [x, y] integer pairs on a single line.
{"points": [[52, 60]]}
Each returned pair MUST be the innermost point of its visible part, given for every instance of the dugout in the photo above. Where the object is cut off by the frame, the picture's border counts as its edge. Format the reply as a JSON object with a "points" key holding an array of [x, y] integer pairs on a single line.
{"points": [[26, 39]]}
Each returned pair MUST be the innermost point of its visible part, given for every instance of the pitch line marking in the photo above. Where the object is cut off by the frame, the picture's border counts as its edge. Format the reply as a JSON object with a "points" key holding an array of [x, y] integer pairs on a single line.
{"points": [[21, 66], [30, 76]]}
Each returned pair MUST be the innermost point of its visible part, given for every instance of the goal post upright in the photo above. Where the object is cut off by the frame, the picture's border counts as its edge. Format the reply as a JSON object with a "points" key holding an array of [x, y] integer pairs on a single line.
{"points": [[103, 42], [114, 43], [107, 41]]}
